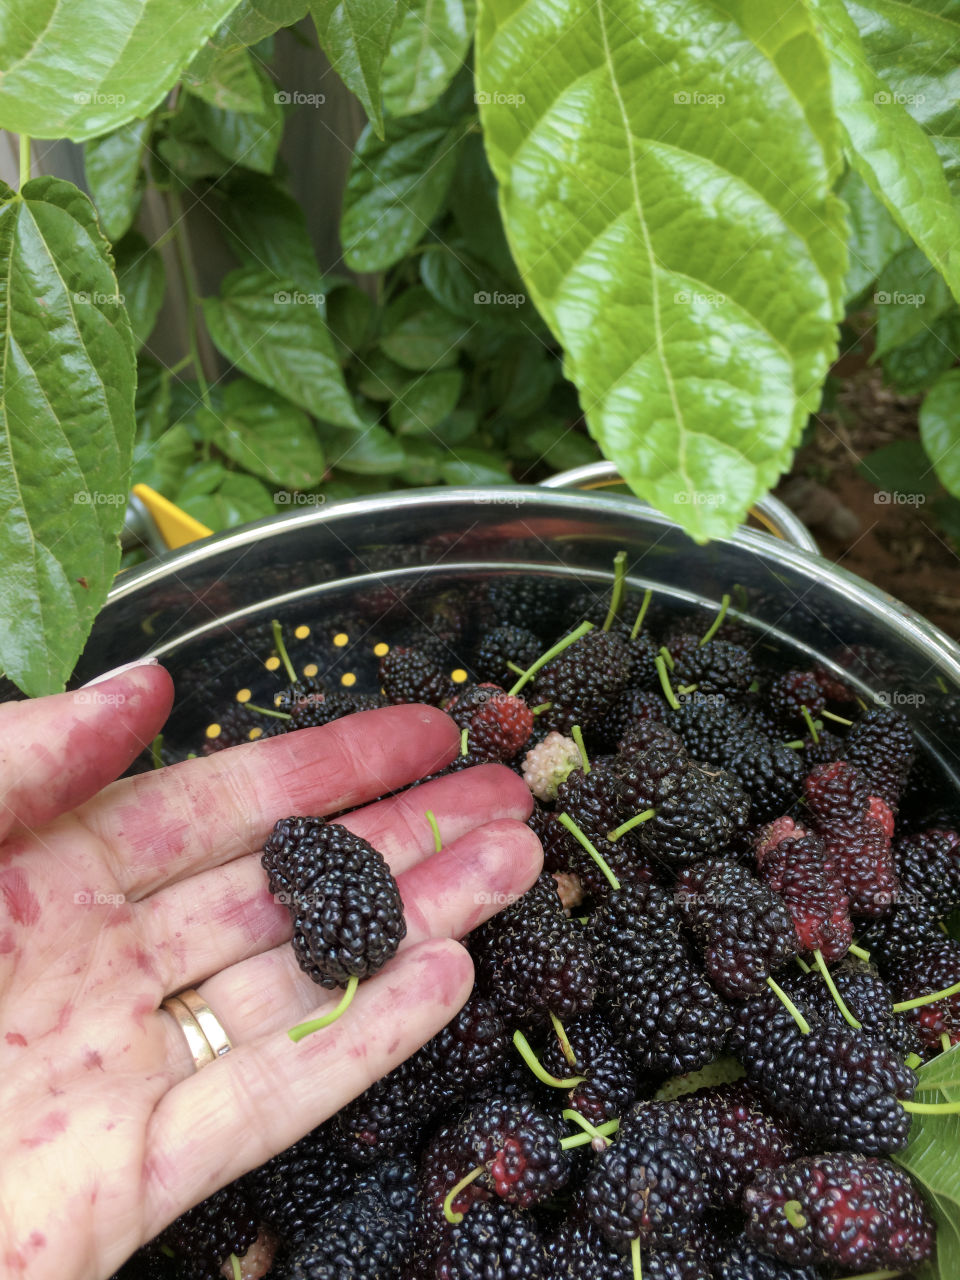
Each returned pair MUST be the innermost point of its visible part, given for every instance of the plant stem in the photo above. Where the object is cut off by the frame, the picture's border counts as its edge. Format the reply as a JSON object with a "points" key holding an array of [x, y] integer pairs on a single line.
{"points": [[931, 1108], [577, 735], [791, 1008], [566, 821], [512, 666], [619, 579], [718, 620], [635, 1259], [932, 998], [304, 1029], [944, 1042], [551, 653], [839, 719], [668, 693], [793, 1213], [281, 649], [667, 656], [576, 1118], [642, 613], [522, 1046], [266, 711], [838, 999], [192, 292], [810, 725], [562, 1036], [235, 1266], [464, 734], [605, 1130], [539, 710], [913, 1060], [448, 1210], [155, 748], [24, 159], [630, 824], [858, 952], [437, 841], [803, 964]]}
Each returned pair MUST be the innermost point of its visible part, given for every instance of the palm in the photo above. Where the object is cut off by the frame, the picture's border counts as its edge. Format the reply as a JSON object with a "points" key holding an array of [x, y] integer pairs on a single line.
{"points": [[153, 884]]}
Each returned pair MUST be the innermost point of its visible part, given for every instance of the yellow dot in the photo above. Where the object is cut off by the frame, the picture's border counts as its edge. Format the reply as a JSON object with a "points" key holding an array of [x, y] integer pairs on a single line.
{"points": [[254, 734], [310, 669], [272, 663], [213, 731], [244, 695], [458, 676], [302, 632], [340, 639], [278, 699], [380, 649], [348, 678]]}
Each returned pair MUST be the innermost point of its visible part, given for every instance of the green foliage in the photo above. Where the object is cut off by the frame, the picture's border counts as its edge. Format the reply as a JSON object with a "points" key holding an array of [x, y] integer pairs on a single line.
{"points": [[68, 423], [355, 35]]}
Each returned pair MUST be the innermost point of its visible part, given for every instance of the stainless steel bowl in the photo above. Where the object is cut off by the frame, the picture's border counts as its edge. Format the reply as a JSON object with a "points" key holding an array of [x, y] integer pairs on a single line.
{"points": [[362, 569]]}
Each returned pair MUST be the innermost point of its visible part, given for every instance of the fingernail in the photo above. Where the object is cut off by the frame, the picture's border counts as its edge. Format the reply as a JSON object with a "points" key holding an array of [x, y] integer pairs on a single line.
{"points": [[118, 671]]}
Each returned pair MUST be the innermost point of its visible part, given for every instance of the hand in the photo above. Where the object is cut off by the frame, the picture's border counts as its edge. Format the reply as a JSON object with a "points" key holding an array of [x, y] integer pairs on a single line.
{"points": [[114, 895]]}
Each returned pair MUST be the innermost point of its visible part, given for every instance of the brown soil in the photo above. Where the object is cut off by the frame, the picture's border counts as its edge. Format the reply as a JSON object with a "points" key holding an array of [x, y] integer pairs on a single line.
{"points": [[896, 546]]}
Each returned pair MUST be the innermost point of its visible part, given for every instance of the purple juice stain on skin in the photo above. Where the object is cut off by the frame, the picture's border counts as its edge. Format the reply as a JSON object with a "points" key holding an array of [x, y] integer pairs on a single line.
{"points": [[52, 1124], [7, 943], [16, 1039], [92, 1060], [19, 899]]}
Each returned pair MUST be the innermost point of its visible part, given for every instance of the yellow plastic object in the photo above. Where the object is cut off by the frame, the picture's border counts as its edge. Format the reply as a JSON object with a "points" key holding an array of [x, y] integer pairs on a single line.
{"points": [[175, 526]]}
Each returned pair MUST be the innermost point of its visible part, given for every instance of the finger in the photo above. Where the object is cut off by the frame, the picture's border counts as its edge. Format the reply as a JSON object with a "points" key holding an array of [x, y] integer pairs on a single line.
{"points": [[203, 924], [57, 752], [199, 814], [447, 894], [258, 1099]]}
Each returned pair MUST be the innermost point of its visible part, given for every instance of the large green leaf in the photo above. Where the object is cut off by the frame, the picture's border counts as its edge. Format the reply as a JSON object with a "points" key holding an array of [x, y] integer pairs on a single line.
{"points": [[266, 434], [874, 235], [886, 146], [931, 1159], [355, 36], [912, 44], [225, 78], [426, 52], [910, 296], [253, 20], [236, 500], [142, 283], [916, 365], [68, 381], [161, 463], [113, 168], [373, 451], [426, 402], [268, 229], [248, 138], [78, 68], [665, 174], [940, 429], [419, 334], [397, 186], [274, 332]]}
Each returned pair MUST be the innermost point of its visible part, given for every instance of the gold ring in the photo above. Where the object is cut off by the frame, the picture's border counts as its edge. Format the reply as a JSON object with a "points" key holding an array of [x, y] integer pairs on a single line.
{"points": [[213, 1032], [200, 1049]]}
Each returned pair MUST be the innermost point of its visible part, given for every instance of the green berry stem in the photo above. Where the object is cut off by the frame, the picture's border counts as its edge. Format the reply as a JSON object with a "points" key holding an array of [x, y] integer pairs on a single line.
{"points": [[635, 1258], [437, 839], [944, 1041], [464, 734], [522, 1046], [931, 1108], [551, 653], [630, 823], [512, 666], [829, 715], [667, 656], [932, 998], [235, 1266], [877, 1275], [448, 1210], [686, 688], [858, 952], [642, 613], [832, 986], [282, 650], [941, 684], [267, 711], [803, 964], [565, 1045], [576, 1118], [913, 1060], [155, 748], [791, 1008], [566, 821], [304, 1029], [605, 1130], [795, 745], [577, 734], [619, 580], [668, 693], [792, 1211], [539, 710], [810, 725], [718, 620]]}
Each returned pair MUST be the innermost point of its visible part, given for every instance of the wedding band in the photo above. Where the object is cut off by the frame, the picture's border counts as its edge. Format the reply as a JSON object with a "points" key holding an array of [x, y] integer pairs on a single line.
{"points": [[200, 1049], [213, 1032]]}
